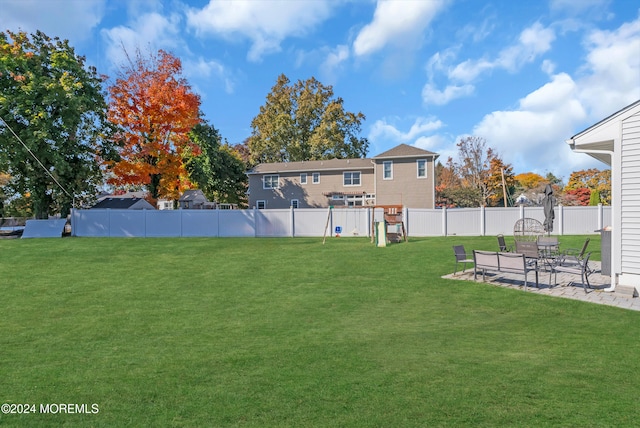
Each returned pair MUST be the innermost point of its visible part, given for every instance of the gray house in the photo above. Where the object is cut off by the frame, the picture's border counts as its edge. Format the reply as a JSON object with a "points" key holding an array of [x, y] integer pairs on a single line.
{"points": [[404, 175], [123, 203], [195, 200], [615, 141]]}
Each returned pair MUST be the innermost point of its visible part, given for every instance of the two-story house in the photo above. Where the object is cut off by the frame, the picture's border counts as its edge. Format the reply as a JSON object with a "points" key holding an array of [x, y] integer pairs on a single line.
{"points": [[404, 175]]}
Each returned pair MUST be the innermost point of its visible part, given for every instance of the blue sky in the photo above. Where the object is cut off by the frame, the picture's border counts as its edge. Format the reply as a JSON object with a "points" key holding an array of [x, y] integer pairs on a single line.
{"points": [[524, 75]]}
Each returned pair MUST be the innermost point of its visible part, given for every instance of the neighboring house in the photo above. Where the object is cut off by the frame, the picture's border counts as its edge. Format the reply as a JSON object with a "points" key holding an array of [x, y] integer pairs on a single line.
{"points": [[164, 204], [616, 141], [195, 200], [404, 175], [123, 203]]}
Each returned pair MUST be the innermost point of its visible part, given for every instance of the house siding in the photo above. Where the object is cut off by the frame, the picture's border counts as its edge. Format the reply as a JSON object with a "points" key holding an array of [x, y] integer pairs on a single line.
{"points": [[309, 195], [630, 195], [405, 188]]}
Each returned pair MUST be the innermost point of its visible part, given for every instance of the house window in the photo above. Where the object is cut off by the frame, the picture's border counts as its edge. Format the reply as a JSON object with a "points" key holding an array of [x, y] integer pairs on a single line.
{"points": [[337, 197], [271, 182], [315, 178], [387, 170], [261, 205], [422, 168], [294, 203], [354, 201], [303, 178], [351, 178]]}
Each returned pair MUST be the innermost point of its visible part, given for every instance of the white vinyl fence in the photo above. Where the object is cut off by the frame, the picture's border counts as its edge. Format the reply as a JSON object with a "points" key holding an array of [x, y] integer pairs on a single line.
{"points": [[318, 221]]}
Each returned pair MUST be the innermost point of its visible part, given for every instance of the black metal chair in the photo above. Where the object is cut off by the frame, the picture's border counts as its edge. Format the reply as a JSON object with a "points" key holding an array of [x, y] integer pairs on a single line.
{"points": [[461, 257]]}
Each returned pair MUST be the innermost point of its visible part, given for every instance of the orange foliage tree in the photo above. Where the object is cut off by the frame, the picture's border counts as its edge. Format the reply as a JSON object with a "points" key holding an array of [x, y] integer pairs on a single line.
{"points": [[154, 110]]}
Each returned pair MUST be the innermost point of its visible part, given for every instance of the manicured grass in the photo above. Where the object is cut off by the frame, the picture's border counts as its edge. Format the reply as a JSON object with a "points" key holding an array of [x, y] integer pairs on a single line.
{"points": [[293, 333]]}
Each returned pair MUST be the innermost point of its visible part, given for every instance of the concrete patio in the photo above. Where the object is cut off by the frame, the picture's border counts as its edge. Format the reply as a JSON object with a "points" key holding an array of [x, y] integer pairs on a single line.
{"points": [[569, 286]]}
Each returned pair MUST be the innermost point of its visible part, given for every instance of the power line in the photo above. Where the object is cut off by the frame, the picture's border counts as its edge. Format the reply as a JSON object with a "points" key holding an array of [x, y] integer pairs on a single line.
{"points": [[36, 158]]}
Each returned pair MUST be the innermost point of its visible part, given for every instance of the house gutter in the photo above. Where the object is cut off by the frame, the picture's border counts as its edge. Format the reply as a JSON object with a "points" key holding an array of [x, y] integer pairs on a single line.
{"points": [[572, 143]]}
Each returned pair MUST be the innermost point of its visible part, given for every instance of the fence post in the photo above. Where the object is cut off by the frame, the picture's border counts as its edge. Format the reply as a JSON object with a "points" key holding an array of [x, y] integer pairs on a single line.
{"points": [[444, 221], [483, 226], [255, 222], [292, 223], [405, 219], [560, 219], [600, 217]]}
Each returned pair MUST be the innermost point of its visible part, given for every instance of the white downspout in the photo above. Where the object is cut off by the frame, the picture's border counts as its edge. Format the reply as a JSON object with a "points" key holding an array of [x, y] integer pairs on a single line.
{"points": [[614, 219]]}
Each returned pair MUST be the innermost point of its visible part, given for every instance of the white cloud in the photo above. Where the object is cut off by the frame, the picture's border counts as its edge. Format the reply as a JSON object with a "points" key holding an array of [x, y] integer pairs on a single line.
{"points": [[433, 143], [203, 70], [334, 60], [610, 78], [265, 23], [533, 41], [431, 95], [420, 132], [53, 17], [548, 67], [395, 22], [533, 135], [149, 31], [469, 70]]}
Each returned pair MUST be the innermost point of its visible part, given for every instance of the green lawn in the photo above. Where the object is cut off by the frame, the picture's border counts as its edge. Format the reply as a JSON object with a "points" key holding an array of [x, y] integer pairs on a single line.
{"points": [[292, 333]]}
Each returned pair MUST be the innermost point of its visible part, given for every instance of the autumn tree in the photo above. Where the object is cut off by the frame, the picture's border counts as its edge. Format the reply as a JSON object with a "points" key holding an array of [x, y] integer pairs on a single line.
{"points": [[55, 106], [154, 110], [500, 183], [592, 179], [531, 181], [304, 121], [217, 170], [577, 197]]}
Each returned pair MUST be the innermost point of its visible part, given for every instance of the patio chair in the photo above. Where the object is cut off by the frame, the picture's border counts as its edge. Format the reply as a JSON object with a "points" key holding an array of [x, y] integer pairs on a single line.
{"points": [[530, 251], [581, 268], [574, 255], [549, 245], [461, 257], [527, 229], [503, 246]]}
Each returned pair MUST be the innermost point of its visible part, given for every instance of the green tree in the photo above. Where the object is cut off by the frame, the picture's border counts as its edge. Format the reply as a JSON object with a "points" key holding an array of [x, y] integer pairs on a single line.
{"points": [[217, 170], [56, 107], [304, 121], [594, 199]]}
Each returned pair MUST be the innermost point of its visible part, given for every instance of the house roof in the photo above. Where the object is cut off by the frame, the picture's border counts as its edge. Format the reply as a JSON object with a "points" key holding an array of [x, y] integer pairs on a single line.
{"points": [[310, 166], [123, 203], [405, 151], [193, 195], [138, 194], [598, 139], [401, 151]]}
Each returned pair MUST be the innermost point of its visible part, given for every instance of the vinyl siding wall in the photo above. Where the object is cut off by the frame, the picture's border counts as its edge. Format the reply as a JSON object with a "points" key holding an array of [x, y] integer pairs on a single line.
{"points": [[405, 188], [309, 195], [630, 195]]}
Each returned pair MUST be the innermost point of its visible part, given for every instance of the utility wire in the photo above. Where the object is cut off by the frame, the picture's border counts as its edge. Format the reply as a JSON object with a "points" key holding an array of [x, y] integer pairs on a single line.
{"points": [[36, 158]]}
